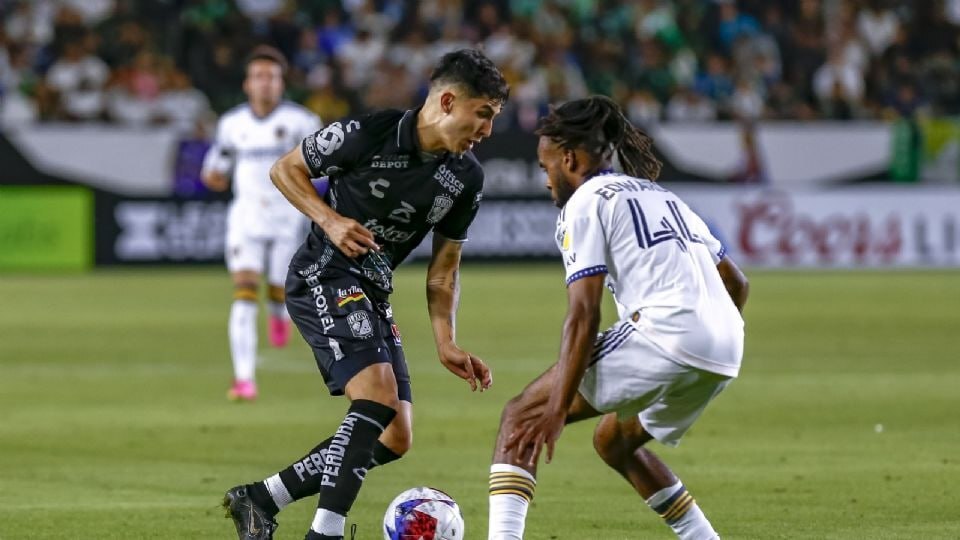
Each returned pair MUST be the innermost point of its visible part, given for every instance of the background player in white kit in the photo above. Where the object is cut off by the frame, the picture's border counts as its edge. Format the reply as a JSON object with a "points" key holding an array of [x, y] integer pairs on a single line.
{"points": [[678, 342], [263, 230]]}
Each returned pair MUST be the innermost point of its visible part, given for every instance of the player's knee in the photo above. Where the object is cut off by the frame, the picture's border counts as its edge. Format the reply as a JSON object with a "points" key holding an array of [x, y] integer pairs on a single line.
{"points": [[609, 443]]}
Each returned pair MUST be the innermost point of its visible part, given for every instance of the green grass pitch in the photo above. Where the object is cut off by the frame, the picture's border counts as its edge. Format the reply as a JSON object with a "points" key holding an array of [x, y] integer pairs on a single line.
{"points": [[845, 422]]}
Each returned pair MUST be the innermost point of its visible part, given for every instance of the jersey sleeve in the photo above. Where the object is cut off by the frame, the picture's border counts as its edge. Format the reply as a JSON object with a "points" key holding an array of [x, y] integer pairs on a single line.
{"points": [[221, 155], [580, 235], [454, 225], [700, 228], [335, 147]]}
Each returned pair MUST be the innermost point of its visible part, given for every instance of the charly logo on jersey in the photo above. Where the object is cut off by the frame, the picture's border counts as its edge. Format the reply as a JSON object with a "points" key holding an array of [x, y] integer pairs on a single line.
{"points": [[400, 161], [360, 325], [377, 186], [441, 205], [448, 180]]}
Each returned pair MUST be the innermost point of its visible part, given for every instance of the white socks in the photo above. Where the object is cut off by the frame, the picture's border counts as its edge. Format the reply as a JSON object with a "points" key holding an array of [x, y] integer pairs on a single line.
{"points": [[678, 508], [328, 523], [511, 490], [278, 492], [243, 339]]}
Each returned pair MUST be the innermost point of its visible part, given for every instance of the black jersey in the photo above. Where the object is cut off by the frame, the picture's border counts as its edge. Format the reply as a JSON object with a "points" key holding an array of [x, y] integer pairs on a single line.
{"points": [[380, 177]]}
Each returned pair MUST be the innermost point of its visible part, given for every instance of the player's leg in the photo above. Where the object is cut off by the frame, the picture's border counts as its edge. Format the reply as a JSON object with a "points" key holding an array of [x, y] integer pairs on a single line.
{"points": [[512, 478], [281, 250], [355, 358], [302, 478], [620, 443], [374, 402], [242, 331], [391, 443], [244, 255]]}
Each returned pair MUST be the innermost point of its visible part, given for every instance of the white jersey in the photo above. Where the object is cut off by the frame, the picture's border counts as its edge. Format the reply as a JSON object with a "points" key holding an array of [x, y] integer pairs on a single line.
{"points": [[245, 147], [660, 260]]}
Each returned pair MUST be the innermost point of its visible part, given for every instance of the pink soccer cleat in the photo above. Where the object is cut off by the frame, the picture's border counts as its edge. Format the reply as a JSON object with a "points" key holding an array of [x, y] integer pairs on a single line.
{"points": [[242, 391], [279, 330]]}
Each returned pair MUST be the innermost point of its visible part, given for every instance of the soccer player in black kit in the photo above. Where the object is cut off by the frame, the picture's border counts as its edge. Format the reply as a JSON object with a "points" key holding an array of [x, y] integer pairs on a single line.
{"points": [[393, 176]]}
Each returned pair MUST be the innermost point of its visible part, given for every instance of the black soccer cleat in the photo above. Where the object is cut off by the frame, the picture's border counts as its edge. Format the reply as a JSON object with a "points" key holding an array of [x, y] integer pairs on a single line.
{"points": [[252, 522]]}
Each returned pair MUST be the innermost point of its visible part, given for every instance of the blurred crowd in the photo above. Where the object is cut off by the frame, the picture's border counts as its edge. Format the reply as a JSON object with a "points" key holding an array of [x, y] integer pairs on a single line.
{"points": [[180, 62]]}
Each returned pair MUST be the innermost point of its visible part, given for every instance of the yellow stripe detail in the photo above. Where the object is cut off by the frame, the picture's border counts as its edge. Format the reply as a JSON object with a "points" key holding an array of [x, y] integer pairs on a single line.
{"points": [[245, 293], [515, 478], [673, 506], [276, 294], [511, 486], [512, 481], [682, 510], [679, 507]]}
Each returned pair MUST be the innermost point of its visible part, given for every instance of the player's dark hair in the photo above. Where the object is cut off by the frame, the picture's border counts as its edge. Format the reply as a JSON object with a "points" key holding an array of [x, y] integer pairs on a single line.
{"points": [[474, 71], [597, 125], [266, 52]]}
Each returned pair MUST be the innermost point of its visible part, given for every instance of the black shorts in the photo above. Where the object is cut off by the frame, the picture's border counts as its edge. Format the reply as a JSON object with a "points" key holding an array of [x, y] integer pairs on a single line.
{"points": [[347, 329]]}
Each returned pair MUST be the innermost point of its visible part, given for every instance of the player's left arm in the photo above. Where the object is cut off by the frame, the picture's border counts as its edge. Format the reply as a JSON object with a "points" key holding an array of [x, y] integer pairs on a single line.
{"points": [[734, 281], [584, 298], [443, 297]]}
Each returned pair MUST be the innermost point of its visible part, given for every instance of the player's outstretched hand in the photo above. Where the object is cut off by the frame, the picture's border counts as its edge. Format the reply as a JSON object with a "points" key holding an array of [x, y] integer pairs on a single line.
{"points": [[352, 238], [466, 366], [531, 436]]}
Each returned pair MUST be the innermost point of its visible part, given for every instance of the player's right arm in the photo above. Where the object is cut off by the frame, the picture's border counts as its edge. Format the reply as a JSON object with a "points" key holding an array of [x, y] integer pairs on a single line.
{"points": [[219, 160], [315, 157]]}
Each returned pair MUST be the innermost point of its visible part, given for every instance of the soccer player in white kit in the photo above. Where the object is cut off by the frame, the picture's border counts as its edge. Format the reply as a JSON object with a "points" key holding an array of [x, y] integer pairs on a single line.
{"points": [[263, 230], [679, 339]]}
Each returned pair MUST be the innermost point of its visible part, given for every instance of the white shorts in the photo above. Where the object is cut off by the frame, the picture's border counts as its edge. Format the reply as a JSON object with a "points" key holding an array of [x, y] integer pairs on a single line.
{"points": [[630, 375], [262, 248]]}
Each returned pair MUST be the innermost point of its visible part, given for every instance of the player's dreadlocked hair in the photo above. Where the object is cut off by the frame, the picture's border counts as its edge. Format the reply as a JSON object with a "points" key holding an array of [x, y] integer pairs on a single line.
{"points": [[597, 125]]}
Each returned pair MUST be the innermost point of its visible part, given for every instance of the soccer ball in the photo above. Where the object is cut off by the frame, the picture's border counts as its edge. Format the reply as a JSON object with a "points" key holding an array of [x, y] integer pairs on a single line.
{"points": [[423, 513]]}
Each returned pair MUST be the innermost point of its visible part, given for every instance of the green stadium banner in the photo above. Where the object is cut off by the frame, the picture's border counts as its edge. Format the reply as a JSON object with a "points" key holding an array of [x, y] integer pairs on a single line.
{"points": [[46, 228]]}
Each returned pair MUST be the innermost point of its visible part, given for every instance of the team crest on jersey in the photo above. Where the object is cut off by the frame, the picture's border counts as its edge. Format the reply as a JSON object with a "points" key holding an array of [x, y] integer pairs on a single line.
{"points": [[441, 205], [360, 325], [564, 238], [281, 132]]}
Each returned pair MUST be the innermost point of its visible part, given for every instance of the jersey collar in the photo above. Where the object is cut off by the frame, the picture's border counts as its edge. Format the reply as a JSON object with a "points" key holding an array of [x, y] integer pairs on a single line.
{"points": [[407, 132], [601, 172]]}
